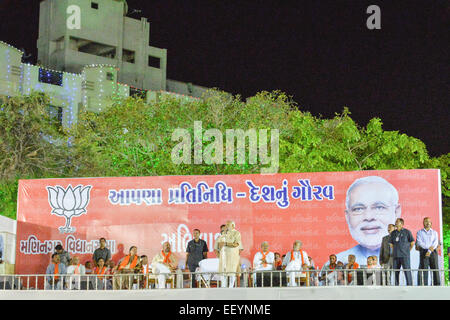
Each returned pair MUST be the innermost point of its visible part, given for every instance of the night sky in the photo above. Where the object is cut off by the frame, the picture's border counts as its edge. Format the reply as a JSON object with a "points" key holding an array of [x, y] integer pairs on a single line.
{"points": [[320, 52]]}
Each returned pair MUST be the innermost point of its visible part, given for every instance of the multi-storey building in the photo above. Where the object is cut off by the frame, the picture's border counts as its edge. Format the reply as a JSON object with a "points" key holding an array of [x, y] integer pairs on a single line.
{"points": [[107, 57]]}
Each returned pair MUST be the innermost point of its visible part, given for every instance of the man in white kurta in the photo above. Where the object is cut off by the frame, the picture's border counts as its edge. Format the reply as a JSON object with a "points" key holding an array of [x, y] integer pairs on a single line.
{"points": [[223, 230], [229, 254], [294, 261], [76, 270], [163, 265], [263, 260]]}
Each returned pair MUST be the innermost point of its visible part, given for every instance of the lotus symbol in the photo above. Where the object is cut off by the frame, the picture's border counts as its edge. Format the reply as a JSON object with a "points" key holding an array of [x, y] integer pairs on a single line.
{"points": [[68, 203]]}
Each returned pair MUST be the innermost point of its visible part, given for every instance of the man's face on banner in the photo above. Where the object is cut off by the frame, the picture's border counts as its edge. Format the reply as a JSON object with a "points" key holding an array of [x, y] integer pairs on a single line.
{"points": [[371, 208]]}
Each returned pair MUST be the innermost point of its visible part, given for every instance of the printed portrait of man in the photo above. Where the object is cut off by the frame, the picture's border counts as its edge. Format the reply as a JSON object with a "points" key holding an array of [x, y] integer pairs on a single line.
{"points": [[371, 204]]}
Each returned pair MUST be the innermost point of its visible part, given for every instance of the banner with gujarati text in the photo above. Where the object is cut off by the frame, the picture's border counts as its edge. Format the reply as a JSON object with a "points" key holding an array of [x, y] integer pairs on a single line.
{"points": [[316, 208]]}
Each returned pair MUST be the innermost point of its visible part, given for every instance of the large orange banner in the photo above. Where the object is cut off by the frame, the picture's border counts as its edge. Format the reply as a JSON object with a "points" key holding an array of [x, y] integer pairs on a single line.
{"points": [[330, 212]]}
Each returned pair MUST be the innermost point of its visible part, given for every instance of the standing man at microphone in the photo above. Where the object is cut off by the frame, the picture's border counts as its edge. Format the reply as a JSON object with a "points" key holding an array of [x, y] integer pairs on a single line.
{"points": [[229, 261], [401, 243]]}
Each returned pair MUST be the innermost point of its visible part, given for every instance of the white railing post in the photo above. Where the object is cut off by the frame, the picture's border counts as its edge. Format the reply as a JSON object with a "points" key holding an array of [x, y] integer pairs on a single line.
{"points": [[345, 277], [365, 274]]}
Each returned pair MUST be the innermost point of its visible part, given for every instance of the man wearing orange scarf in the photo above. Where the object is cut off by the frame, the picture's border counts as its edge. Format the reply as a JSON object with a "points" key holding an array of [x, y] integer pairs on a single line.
{"points": [[127, 266], [351, 275], [295, 260], [55, 269], [263, 260], [99, 281], [146, 271], [75, 270], [164, 264]]}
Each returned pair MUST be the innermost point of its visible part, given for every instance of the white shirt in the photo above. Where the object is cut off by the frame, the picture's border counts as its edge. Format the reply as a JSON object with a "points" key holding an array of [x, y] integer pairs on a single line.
{"points": [[427, 239], [297, 257], [257, 263], [75, 278], [216, 245], [71, 270], [373, 267]]}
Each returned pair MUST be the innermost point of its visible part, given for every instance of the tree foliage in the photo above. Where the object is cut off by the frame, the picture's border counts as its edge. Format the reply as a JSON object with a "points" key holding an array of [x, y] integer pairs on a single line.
{"points": [[31, 141], [132, 138], [32, 145]]}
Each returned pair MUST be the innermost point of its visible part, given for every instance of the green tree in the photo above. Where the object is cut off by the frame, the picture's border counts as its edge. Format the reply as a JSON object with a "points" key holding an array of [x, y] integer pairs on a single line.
{"points": [[132, 138], [32, 145]]}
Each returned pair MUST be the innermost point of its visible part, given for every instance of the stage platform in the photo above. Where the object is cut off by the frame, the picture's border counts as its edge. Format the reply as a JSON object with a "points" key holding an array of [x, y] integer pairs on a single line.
{"points": [[311, 293]]}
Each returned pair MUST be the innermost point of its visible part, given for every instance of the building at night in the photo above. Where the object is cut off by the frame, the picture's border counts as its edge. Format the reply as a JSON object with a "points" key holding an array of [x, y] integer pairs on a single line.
{"points": [[107, 58]]}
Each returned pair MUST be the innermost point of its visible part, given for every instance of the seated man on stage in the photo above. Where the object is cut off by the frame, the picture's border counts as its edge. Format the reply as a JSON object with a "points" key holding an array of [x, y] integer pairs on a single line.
{"points": [[99, 281], [75, 270], [351, 275], [111, 271], [294, 261], [263, 260], [55, 270], [163, 264], [146, 271], [373, 276], [328, 276], [130, 264], [340, 274]]}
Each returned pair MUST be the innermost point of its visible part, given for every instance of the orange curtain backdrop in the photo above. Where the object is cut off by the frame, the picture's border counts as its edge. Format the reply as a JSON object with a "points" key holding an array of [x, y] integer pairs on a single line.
{"points": [[319, 224]]}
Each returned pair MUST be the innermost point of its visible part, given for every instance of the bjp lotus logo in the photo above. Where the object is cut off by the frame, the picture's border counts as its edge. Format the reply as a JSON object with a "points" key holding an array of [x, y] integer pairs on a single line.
{"points": [[68, 203]]}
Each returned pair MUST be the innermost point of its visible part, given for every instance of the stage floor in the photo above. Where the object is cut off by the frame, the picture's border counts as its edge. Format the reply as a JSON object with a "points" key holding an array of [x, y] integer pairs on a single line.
{"points": [[311, 293]]}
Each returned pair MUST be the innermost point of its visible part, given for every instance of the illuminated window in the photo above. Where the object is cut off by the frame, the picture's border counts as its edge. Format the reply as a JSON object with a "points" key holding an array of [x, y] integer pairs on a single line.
{"points": [[51, 77]]}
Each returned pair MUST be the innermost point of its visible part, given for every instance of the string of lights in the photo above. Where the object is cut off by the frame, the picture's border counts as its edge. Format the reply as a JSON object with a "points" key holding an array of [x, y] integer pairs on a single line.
{"points": [[95, 87], [8, 71], [51, 77], [11, 47]]}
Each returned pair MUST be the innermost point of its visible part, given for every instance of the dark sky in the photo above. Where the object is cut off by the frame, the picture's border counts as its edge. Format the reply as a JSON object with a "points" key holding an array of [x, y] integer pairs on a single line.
{"points": [[318, 51]]}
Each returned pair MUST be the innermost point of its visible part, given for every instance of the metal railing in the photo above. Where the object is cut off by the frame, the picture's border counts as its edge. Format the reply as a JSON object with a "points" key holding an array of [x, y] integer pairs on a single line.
{"points": [[246, 279]]}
